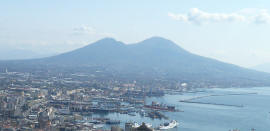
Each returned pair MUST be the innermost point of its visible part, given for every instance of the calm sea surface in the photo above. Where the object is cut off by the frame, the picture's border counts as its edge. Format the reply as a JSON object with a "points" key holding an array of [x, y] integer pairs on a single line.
{"points": [[244, 108]]}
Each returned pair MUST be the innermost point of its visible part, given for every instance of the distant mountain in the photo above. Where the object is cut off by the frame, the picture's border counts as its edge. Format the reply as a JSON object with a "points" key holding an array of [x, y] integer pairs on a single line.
{"points": [[154, 58], [262, 67], [18, 54]]}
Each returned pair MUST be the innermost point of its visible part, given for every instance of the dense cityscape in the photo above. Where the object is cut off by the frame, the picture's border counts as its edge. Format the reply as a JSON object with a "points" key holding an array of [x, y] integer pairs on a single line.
{"points": [[61, 102], [36, 102]]}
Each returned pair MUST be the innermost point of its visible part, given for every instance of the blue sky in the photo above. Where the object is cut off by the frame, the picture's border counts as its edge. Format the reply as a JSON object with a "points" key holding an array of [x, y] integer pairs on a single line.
{"points": [[234, 31]]}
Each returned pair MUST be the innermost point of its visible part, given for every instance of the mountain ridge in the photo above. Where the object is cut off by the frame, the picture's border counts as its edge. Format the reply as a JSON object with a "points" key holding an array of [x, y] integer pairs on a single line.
{"points": [[152, 58]]}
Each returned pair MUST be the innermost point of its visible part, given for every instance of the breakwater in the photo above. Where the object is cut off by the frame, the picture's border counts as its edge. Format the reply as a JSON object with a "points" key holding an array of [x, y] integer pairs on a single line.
{"points": [[191, 100]]}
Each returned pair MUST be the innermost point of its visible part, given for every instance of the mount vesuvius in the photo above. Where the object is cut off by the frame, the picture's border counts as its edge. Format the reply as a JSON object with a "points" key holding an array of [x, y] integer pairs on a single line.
{"points": [[153, 58]]}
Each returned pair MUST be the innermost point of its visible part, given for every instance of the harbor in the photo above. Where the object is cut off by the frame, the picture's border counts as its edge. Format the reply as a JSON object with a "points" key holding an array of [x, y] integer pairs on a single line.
{"points": [[195, 116], [102, 107]]}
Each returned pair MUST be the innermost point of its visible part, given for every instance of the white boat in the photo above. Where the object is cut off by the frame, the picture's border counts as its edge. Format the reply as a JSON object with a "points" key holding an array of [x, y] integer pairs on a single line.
{"points": [[149, 125], [136, 125], [170, 125], [98, 126], [88, 124]]}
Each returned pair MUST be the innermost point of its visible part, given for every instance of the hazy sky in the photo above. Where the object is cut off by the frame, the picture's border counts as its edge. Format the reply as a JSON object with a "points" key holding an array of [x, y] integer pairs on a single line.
{"points": [[234, 31]]}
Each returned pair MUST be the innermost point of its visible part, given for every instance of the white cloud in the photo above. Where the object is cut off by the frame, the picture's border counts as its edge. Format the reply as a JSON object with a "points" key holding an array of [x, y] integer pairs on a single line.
{"points": [[262, 18], [179, 17], [197, 16], [84, 29], [88, 30]]}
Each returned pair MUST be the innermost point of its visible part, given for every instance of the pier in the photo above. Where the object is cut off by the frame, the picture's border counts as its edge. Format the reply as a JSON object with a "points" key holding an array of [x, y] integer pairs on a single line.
{"points": [[208, 103], [218, 104], [232, 94]]}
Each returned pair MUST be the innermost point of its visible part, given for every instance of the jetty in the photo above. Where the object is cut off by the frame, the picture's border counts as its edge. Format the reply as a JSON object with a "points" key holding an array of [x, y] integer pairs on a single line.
{"points": [[208, 103], [190, 100]]}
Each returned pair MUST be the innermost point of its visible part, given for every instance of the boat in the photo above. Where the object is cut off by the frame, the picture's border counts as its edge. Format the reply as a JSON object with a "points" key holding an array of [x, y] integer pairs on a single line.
{"points": [[132, 114], [88, 124], [87, 113], [98, 126], [136, 125], [149, 125], [112, 122], [95, 121], [142, 113], [170, 125]]}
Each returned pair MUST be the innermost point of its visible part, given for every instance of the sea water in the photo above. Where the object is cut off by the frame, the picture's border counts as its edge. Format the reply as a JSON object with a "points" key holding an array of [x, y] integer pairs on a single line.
{"points": [[251, 110]]}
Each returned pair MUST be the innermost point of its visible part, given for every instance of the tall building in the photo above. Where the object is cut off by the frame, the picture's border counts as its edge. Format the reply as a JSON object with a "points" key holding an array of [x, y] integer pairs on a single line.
{"points": [[116, 128], [128, 126]]}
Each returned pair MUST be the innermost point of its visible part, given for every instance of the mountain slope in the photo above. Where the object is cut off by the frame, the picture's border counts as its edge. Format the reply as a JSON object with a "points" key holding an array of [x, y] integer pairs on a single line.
{"points": [[154, 58], [262, 67], [154, 55], [19, 54], [102, 52]]}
